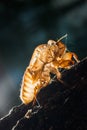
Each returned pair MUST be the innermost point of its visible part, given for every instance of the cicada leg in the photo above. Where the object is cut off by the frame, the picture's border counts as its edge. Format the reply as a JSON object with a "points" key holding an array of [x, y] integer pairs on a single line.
{"points": [[70, 56], [67, 60], [35, 97], [75, 57], [66, 64]]}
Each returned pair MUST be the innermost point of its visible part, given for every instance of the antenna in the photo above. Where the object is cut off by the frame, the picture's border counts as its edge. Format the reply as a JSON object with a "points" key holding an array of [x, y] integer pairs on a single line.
{"points": [[65, 36]]}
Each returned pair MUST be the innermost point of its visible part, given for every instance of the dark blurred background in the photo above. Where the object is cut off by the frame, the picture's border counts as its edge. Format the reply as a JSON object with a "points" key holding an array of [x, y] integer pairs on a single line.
{"points": [[24, 24]]}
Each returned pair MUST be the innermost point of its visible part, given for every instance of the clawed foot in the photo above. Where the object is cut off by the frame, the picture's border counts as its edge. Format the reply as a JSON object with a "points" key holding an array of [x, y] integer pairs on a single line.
{"points": [[30, 112], [37, 107]]}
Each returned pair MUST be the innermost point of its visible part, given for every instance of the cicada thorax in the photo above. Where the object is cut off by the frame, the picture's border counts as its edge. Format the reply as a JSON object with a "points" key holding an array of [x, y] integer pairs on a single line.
{"points": [[43, 54]]}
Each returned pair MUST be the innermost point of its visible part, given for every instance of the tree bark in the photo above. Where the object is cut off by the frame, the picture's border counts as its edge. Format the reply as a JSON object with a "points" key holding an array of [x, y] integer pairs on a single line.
{"points": [[63, 105]]}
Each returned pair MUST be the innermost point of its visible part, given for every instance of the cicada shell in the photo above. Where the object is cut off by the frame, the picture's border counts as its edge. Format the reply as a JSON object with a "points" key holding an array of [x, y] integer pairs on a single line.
{"points": [[46, 59]]}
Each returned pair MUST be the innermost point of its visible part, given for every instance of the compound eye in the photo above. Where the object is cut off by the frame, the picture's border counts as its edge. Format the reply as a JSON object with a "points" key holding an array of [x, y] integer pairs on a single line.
{"points": [[51, 42]]}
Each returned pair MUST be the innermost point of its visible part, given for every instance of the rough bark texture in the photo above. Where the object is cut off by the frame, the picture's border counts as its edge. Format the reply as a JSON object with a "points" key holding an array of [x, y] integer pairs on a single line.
{"points": [[64, 105]]}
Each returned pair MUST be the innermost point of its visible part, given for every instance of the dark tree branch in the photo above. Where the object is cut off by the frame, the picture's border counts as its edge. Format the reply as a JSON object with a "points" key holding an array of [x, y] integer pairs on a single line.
{"points": [[64, 105]]}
